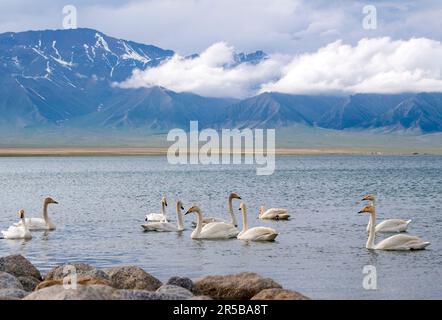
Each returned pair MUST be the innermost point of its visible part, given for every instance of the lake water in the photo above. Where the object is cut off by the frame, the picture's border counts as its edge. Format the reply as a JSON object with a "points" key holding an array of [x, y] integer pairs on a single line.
{"points": [[320, 252]]}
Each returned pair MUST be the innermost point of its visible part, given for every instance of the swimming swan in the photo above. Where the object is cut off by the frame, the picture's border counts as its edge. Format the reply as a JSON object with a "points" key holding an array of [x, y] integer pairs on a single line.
{"points": [[45, 223], [212, 230], [256, 233], [158, 217], [18, 231], [389, 225], [273, 214], [396, 242], [233, 221], [167, 226]]}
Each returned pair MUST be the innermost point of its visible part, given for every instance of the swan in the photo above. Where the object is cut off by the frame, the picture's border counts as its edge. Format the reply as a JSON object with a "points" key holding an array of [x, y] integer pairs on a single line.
{"points": [[167, 226], [45, 223], [396, 242], [158, 217], [389, 225], [256, 233], [233, 221], [212, 230], [18, 231], [273, 214]]}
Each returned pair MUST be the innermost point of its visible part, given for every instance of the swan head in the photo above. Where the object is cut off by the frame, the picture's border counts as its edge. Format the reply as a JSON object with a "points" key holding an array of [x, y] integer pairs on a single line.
{"points": [[242, 207], [367, 209], [369, 197], [49, 200], [234, 195], [164, 201], [193, 209], [261, 210], [179, 205], [21, 213]]}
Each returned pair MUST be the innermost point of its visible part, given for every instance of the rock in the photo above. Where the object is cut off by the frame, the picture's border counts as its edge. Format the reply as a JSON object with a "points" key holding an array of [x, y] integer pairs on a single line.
{"points": [[12, 293], [82, 292], [8, 281], [241, 286], [180, 292], [29, 283], [201, 298], [143, 295], [19, 266], [86, 280], [279, 294], [132, 277], [183, 282], [82, 270]]}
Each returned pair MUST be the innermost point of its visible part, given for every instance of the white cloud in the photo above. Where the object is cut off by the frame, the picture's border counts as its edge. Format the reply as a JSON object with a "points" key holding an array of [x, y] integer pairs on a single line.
{"points": [[378, 65]]}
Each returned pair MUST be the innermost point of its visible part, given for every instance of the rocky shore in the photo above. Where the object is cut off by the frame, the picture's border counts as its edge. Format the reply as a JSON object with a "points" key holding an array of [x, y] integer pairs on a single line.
{"points": [[20, 279]]}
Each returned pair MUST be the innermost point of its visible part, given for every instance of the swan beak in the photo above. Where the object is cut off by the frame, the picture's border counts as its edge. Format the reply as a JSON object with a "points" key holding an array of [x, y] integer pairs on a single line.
{"points": [[187, 212], [182, 208], [362, 211], [239, 198], [55, 202]]}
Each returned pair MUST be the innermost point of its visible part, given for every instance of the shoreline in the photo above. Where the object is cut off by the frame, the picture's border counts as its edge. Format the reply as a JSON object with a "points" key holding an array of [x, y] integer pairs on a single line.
{"points": [[151, 151]]}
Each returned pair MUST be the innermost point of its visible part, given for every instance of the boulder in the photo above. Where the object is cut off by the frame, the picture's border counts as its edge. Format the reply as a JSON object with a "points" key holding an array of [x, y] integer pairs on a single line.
{"points": [[29, 283], [19, 266], [83, 280], [82, 270], [12, 294], [8, 281], [183, 282], [180, 292], [143, 295], [241, 286], [132, 277], [279, 294], [201, 298], [82, 292]]}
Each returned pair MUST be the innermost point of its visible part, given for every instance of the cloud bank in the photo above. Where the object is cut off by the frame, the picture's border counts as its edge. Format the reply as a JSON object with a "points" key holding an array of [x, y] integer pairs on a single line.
{"points": [[378, 65]]}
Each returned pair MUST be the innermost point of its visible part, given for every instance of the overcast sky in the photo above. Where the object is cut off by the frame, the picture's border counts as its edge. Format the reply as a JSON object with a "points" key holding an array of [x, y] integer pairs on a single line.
{"points": [[188, 26]]}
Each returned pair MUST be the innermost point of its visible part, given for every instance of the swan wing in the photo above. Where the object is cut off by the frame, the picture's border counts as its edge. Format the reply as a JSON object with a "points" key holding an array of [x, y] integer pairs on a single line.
{"points": [[392, 225], [16, 232], [156, 217], [218, 230], [259, 234], [274, 213], [402, 242], [159, 227]]}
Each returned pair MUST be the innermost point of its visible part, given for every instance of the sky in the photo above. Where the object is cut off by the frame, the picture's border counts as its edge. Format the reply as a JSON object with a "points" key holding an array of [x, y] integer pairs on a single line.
{"points": [[313, 46]]}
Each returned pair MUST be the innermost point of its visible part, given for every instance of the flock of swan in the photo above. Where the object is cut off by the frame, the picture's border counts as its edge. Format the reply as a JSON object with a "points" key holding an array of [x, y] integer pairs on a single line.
{"points": [[215, 228]]}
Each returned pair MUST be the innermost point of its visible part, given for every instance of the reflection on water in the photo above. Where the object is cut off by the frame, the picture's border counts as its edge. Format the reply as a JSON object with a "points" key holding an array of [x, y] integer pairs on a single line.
{"points": [[320, 252]]}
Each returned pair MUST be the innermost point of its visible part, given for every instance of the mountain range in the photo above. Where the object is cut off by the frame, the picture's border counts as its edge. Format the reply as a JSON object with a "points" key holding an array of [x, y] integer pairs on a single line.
{"points": [[65, 79]]}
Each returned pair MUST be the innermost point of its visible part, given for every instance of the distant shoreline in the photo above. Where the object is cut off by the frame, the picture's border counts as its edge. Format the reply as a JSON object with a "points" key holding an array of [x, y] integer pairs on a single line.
{"points": [[137, 151]]}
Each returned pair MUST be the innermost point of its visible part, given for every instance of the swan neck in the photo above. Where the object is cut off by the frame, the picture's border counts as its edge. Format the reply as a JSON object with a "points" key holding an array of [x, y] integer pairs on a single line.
{"points": [[372, 231], [245, 226], [232, 215], [199, 224], [45, 212], [163, 208], [179, 218]]}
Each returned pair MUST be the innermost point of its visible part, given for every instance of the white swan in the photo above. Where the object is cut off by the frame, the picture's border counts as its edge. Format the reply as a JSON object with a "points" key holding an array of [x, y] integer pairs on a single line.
{"points": [[233, 221], [158, 217], [212, 230], [273, 214], [396, 242], [167, 226], [388, 225], [45, 223], [256, 233], [18, 231]]}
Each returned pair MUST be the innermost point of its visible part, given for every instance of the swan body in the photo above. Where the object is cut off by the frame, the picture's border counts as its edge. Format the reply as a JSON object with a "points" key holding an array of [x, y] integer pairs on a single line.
{"points": [[158, 217], [39, 224], [212, 230], [273, 214], [233, 221], [399, 242], [388, 225], [165, 226], [256, 233], [18, 230]]}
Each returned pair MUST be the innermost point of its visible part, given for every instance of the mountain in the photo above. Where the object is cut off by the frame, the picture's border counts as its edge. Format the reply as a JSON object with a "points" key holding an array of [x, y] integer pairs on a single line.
{"points": [[62, 79]]}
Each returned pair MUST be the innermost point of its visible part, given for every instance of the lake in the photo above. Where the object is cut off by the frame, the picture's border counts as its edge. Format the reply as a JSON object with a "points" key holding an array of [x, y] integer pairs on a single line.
{"points": [[320, 252]]}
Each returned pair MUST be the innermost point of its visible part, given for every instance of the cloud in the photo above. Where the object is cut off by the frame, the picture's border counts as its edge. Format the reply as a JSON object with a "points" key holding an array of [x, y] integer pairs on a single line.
{"points": [[379, 65]]}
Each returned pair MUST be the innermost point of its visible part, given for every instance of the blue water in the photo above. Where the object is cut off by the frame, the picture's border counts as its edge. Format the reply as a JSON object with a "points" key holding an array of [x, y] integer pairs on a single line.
{"points": [[320, 252]]}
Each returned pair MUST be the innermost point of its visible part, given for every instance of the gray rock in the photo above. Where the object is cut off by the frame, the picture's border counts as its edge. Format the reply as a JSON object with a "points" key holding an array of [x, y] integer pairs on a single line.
{"points": [[132, 277], [183, 282], [143, 295], [180, 292], [241, 286], [82, 270], [29, 283], [82, 292], [8, 281], [279, 294], [19, 266], [12, 293], [201, 298]]}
